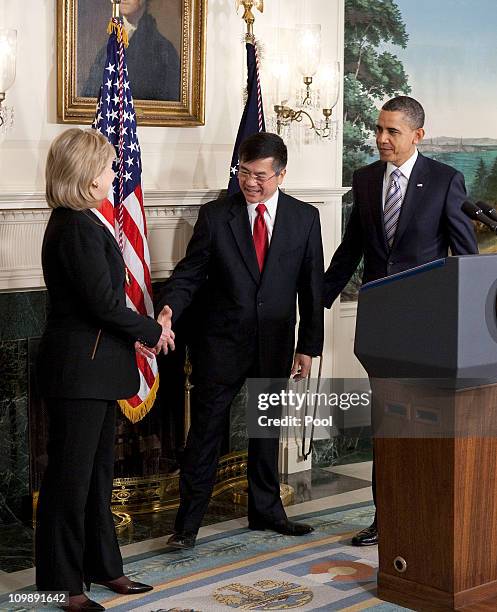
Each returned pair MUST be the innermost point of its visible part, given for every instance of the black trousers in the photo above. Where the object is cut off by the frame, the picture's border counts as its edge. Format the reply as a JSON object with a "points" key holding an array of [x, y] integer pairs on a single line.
{"points": [[75, 535], [209, 413]]}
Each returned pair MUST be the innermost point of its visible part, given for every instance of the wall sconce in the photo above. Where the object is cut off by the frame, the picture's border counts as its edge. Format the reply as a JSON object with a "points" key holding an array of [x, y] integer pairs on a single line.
{"points": [[8, 41], [321, 85]]}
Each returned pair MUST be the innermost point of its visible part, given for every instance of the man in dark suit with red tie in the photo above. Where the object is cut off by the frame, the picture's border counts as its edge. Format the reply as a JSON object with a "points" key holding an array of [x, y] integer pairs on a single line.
{"points": [[406, 212], [253, 254]]}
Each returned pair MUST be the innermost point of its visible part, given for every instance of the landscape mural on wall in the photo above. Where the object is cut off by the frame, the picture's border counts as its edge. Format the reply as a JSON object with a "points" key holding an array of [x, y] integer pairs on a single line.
{"points": [[441, 53]]}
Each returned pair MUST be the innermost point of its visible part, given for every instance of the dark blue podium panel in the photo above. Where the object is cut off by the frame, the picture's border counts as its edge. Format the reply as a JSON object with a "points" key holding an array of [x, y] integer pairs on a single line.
{"points": [[436, 321]]}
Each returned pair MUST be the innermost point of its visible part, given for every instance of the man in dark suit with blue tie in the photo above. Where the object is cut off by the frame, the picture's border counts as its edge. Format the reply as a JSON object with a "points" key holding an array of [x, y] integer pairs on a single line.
{"points": [[406, 212]]}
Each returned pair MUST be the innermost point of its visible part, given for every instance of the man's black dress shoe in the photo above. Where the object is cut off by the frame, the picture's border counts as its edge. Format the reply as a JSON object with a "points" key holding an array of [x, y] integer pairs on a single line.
{"points": [[182, 539], [366, 537], [283, 526]]}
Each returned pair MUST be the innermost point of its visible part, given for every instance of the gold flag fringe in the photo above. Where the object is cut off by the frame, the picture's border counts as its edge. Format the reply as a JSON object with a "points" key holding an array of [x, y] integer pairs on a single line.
{"points": [[119, 31], [136, 413]]}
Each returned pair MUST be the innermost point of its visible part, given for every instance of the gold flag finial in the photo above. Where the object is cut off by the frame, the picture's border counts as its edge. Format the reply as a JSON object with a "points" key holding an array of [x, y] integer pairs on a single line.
{"points": [[116, 8], [117, 26], [248, 15]]}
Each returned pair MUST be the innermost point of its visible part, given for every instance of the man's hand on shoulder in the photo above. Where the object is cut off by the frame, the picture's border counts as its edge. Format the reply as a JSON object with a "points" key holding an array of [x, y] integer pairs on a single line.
{"points": [[301, 366]]}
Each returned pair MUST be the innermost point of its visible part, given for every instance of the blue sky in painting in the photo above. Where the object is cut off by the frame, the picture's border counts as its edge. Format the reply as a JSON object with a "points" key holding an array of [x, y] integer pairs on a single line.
{"points": [[451, 60]]}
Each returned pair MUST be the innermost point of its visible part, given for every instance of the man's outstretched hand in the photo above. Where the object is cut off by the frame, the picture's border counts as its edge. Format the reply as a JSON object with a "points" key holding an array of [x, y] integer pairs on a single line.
{"points": [[166, 341]]}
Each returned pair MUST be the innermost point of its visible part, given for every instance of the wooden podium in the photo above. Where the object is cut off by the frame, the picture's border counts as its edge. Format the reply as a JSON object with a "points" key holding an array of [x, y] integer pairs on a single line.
{"points": [[428, 340]]}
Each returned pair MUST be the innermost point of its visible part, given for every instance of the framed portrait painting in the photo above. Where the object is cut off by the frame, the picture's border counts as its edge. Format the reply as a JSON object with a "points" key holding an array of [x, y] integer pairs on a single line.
{"points": [[165, 58]]}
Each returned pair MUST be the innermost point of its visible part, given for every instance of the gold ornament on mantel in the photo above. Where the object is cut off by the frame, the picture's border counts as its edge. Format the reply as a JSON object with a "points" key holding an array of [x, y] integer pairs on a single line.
{"points": [[248, 15]]}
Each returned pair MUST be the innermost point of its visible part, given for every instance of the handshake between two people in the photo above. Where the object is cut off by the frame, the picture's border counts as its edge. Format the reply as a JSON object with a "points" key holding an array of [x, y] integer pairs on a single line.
{"points": [[166, 340], [301, 363]]}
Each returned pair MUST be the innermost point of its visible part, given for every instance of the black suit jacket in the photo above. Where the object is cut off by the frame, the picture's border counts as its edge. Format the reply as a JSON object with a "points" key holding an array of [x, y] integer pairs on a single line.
{"points": [[248, 317], [430, 222], [87, 350]]}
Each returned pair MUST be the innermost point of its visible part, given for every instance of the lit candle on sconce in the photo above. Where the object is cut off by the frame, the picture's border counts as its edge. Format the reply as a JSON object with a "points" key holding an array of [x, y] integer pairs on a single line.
{"points": [[308, 48], [279, 68], [328, 82]]}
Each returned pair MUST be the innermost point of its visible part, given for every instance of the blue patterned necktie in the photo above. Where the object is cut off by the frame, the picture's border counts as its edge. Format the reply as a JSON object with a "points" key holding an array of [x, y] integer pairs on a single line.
{"points": [[393, 204]]}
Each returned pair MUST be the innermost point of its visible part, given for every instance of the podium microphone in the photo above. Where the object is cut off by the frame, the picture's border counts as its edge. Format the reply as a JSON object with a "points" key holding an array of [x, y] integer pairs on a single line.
{"points": [[473, 211], [488, 210]]}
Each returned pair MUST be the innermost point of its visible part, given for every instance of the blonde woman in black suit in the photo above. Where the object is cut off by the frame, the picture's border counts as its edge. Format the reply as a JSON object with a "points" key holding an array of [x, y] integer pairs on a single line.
{"points": [[86, 362]]}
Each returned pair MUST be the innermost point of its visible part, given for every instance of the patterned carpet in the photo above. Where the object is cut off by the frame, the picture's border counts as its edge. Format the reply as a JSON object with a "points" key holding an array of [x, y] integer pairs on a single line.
{"points": [[248, 570]]}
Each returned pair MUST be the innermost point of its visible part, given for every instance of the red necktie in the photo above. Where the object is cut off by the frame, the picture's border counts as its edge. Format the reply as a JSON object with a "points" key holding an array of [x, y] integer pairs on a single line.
{"points": [[261, 238]]}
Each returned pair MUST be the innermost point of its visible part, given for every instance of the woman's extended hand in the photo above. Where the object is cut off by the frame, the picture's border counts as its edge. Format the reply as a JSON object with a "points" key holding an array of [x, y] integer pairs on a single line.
{"points": [[143, 350]]}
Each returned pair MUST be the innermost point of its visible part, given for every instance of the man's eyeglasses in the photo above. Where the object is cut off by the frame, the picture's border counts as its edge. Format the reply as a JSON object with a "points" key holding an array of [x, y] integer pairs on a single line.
{"points": [[259, 178]]}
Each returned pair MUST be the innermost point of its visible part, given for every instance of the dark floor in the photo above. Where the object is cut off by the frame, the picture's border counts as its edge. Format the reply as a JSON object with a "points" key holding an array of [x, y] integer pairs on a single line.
{"points": [[16, 540]]}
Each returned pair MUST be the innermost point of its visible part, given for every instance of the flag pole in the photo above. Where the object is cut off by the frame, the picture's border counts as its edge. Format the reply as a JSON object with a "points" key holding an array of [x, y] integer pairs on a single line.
{"points": [[252, 120]]}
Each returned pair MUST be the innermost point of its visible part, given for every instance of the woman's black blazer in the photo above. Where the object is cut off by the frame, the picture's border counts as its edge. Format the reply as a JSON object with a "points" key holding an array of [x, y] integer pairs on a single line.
{"points": [[87, 350]]}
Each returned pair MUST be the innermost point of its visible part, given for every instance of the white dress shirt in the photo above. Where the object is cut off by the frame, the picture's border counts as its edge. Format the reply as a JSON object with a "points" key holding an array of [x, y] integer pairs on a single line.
{"points": [[269, 215], [405, 169]]}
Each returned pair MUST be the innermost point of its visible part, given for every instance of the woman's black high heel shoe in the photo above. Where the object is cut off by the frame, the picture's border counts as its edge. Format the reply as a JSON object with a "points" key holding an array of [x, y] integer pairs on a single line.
{"points": [[87, 605], [122, 585]]}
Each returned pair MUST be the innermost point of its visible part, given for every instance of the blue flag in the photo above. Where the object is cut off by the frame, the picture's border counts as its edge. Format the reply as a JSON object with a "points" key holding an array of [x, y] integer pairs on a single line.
{"points": [[253, 114]]}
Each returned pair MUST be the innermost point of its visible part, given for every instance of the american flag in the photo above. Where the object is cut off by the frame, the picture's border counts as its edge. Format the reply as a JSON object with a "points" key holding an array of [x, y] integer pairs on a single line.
{"points": [[123, 213]]}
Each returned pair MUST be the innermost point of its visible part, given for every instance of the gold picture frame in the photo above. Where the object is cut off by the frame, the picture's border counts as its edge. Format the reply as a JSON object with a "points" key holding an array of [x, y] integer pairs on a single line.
{"points": [[177, 37]]}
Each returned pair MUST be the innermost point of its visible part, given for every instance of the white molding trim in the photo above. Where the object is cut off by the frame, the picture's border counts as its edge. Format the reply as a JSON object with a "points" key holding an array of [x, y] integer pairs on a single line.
{"points": [[184, 197], [170, 219], [318, 194]]}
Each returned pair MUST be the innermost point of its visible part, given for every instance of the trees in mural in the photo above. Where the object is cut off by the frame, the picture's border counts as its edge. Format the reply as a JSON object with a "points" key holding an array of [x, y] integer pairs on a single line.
{"points": [[371, 74], [484, 188], [485, 183]]}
